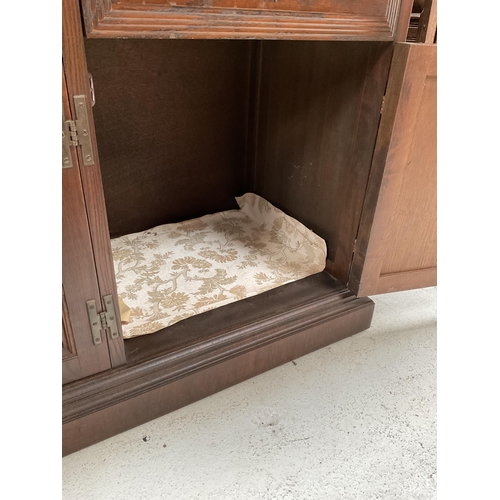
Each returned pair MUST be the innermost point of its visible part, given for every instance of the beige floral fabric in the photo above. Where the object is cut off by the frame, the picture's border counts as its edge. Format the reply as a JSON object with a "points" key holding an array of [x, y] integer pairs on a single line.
{"points": [[174, 271]]}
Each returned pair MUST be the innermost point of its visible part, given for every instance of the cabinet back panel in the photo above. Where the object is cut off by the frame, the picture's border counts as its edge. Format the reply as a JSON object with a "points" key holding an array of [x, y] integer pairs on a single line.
{"points": [[319, 109], [171, 119]]}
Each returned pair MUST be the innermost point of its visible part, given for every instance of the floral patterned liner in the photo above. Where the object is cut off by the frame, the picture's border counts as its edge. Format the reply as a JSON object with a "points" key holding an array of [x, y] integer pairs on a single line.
{"points": [[174, 271]]}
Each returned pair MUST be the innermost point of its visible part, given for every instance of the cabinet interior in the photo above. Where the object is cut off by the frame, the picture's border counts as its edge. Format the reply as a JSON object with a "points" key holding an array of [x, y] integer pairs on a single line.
{"points": [[185, 126]]}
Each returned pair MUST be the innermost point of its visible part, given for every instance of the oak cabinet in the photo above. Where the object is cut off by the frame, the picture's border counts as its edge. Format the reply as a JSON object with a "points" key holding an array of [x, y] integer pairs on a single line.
{"points": [[180, 127]]}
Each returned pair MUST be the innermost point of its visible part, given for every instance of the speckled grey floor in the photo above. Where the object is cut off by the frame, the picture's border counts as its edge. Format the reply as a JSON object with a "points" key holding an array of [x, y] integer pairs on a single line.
{"points": [[355, 420]]}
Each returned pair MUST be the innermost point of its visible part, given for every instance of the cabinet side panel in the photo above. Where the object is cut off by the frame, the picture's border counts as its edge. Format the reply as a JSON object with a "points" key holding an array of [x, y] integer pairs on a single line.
{"points": [[318, 117], [249, 19]]}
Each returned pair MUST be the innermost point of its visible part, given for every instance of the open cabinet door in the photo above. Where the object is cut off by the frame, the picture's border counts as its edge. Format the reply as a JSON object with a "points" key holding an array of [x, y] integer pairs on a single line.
{"points": [[83, 352], [396, 243], [81, 98]]}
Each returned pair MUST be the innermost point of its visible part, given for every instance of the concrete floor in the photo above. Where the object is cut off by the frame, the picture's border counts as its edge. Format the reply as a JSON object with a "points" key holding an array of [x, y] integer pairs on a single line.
{"points": [[355, 420]]}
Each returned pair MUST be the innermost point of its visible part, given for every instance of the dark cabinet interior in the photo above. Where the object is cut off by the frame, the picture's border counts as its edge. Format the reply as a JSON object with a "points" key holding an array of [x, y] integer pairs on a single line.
{"points": [[179, 129], [205, 121]]}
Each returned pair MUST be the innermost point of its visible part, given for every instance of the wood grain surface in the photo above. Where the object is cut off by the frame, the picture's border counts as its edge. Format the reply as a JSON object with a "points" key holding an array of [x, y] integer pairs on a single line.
{"points": [[210, 352], [319, 109], [255, 19], [397, 234], [427, 25], [77, 80]]}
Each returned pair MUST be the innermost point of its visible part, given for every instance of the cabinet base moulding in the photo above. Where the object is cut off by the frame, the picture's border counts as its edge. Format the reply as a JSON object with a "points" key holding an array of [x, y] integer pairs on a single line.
{"points": [[238, 341]]}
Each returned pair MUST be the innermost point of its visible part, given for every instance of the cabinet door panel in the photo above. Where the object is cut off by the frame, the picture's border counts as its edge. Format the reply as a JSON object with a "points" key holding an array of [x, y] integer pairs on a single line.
{"points": [[78, 84], [396, 245], [270, 19], [80, 356]]}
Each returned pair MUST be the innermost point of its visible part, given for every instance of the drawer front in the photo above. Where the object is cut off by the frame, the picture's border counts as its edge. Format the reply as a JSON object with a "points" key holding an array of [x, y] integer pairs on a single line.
{"points": [[251, 19]]}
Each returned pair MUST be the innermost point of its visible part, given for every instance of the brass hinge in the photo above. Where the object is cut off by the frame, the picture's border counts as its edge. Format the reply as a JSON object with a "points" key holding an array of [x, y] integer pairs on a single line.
{"points": [[77, 133], [67, 162], [103, 320], [382, 106], [92, 91]]}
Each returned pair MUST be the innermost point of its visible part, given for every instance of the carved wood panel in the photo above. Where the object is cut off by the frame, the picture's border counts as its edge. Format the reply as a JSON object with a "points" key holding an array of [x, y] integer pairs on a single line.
{"points": [[396, 245], [264, 19]]}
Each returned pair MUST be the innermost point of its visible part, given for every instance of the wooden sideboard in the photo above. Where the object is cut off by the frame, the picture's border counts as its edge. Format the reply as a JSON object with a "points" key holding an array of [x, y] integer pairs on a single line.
{"points": [[172, 110]]}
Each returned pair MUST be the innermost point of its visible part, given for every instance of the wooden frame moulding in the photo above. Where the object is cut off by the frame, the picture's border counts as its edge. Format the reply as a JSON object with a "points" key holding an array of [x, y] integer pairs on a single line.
{"points": [[210, 352], [284, 19]]}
